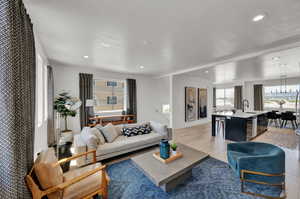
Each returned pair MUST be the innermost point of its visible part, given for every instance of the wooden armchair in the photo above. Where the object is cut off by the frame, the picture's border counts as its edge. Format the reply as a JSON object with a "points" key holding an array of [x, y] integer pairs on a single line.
{"points": [[83, 182]]}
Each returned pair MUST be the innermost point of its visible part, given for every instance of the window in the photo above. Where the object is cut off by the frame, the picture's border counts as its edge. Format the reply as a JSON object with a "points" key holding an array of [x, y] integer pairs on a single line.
{"points": [[225, 98], [41, 91], [275, 95], [109, 95]]}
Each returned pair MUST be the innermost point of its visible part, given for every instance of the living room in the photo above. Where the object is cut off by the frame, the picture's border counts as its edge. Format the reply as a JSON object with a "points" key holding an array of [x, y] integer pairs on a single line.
{"points": [[141, 99]]}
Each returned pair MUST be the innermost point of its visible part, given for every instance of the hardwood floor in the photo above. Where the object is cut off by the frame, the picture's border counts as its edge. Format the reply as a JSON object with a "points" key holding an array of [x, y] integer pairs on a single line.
{"points": [[199, 137]]}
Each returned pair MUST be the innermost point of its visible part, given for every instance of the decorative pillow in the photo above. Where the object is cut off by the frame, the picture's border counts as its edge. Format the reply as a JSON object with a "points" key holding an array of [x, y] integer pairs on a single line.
{"points": [[85, 134], [48, 172], [109, 132], [97, 133], [134, 131], [93, 142]]}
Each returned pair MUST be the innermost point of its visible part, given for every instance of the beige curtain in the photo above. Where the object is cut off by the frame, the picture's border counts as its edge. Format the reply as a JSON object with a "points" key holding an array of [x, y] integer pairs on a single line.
{"points": [[238, 97], [258, 97]]}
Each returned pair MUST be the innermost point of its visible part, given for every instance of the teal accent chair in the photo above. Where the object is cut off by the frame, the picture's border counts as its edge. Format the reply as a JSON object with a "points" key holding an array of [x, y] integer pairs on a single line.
{"points": [[257, 162]]}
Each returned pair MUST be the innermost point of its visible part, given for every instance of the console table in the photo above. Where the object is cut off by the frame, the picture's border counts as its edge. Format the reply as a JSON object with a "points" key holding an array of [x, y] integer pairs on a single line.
{"points": [[124, 119]]}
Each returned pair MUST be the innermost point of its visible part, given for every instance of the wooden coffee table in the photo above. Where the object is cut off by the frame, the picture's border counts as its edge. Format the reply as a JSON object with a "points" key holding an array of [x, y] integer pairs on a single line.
{"points": [[168, 176]]}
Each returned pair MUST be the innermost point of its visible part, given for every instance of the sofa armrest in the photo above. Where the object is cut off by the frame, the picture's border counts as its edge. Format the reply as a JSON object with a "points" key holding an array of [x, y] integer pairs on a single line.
{"points": [[169, 133]]}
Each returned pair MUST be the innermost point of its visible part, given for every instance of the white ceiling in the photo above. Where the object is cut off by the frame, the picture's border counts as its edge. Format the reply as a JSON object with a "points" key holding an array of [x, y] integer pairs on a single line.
{"points": [[281, 64], [164, 36]]}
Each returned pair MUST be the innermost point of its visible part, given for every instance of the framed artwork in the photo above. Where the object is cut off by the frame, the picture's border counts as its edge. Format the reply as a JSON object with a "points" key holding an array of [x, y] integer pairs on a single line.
{"points": [[190, 104], [202, 103]]}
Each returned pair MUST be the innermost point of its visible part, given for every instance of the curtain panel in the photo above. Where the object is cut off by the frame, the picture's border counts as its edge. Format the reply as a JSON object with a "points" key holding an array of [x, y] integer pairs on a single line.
{"points": [[131, 98], [85, 92], [214, 98], [258, 97], [238, 97], [51, 131], [17, 98]]}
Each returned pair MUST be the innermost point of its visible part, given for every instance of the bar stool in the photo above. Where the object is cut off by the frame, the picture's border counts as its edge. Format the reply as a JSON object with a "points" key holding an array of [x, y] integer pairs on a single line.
{"points": [[220, 122]]}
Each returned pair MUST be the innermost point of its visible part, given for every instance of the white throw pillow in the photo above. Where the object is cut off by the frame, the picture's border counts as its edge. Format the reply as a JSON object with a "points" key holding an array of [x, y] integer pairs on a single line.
{"points": [[96, 132], [159, 128], [85, 134], [109, 132]]}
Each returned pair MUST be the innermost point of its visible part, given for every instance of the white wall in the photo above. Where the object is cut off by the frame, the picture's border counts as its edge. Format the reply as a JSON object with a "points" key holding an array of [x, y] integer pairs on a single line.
{"points": [[40, 139], [150, 91], [178, 99]]}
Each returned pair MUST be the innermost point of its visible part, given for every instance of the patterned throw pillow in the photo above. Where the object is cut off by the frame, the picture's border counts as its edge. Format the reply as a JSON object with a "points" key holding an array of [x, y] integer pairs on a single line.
{"points": [[139, 130]]}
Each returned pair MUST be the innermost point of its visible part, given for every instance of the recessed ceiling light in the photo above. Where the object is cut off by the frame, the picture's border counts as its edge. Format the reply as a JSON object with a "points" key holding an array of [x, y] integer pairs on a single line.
{"points": [[283, 65], [106, 45], [141, 67], [85, 56], [276, 58], [206, 71], [258, 17]]}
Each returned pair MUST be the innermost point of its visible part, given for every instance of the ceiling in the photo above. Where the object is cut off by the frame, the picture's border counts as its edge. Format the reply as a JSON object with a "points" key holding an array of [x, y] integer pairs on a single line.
{"points": [[281, 64], [163, 36]]}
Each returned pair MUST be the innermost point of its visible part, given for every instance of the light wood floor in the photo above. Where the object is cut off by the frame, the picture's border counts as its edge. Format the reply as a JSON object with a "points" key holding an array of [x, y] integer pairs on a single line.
{"points": [[199, 137]]}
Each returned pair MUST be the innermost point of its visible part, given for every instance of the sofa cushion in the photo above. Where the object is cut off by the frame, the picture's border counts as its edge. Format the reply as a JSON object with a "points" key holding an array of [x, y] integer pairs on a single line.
{"points": [[98, 134], [125, 143], [109, 132], [48, 172], [139, 130], [85, 186]]}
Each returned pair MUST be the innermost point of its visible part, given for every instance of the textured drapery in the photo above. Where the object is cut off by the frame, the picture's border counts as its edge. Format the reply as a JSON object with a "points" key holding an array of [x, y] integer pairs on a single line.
{"points": [[17, 98], [85, 92], [131, 97], [238, 97], [258, 97], [214, 98], [51, 131]]}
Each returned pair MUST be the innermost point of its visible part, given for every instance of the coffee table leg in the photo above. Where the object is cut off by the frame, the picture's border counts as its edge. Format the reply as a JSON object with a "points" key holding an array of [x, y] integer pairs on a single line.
{"points": [[173, 183]]}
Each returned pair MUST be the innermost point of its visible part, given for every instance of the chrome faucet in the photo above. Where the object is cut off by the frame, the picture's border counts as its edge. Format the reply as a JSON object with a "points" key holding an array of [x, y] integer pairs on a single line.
{"points": [[243, 104]]}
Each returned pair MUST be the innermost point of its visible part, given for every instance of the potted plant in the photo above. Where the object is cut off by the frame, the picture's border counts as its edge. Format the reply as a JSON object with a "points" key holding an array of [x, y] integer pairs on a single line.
{"points": [[66, 106], [174, 147]]}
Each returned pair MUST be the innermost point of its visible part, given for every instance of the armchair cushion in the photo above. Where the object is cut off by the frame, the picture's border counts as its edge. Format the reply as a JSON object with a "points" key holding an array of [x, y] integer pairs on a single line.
{"points": [[48, 172], [85, 186]]}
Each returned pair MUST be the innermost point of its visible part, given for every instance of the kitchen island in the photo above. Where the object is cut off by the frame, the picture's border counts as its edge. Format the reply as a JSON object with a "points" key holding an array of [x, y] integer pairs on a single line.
{"points": [[241, 126]]}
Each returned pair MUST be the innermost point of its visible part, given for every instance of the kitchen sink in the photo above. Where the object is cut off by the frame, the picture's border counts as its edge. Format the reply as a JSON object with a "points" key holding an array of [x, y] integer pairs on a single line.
{"points": [[251, 112]]}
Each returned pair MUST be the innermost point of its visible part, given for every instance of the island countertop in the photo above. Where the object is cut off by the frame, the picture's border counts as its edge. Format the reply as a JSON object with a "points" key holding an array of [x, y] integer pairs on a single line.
{"points": [[245, 115]]}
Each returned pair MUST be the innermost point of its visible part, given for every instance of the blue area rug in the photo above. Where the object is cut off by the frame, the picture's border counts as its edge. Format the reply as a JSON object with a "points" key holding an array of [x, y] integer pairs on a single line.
{"points": [[212, 179]]}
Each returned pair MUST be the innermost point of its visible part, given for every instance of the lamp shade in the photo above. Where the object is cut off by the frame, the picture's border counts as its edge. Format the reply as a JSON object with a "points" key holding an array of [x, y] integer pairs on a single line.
{"points": [[89, 103]]}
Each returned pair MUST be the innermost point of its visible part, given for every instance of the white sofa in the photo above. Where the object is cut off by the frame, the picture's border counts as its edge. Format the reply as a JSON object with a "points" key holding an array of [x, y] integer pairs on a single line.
{"points": [[123, 144]]}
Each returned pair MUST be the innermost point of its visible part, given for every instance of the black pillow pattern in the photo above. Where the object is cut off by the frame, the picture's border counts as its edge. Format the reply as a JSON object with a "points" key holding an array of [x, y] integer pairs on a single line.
{"points": [[139, 130]]}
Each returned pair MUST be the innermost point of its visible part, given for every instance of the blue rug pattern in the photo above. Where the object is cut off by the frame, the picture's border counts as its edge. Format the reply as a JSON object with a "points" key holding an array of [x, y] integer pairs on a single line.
{"points": [[212, 179]]}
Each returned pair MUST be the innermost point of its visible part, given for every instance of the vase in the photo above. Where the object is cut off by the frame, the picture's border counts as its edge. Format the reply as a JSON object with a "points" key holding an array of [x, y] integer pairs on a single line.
{"points": [[164, 149], [174, 152]]}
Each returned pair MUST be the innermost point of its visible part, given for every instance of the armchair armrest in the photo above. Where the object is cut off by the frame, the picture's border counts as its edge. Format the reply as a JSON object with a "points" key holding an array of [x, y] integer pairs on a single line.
{"points": [[78, 156], [266, 163]]}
